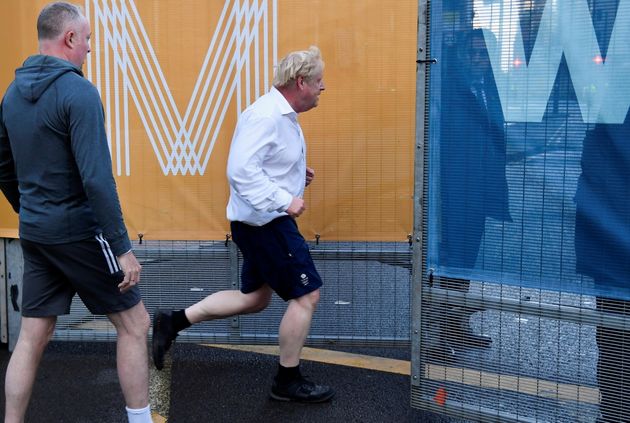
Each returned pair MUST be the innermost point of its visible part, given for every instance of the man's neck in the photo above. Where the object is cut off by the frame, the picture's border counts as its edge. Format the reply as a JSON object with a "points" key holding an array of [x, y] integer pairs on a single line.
{"points": [[290, 96], [51, 48]]}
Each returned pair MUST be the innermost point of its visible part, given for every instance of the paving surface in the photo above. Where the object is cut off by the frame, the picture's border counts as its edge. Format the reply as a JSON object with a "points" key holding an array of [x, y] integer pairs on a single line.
{"points": [[77, 382]]}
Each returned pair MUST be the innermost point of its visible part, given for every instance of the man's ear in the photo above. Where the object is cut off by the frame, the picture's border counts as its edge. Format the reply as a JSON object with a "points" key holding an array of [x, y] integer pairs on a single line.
{"points": [[69, 38]]}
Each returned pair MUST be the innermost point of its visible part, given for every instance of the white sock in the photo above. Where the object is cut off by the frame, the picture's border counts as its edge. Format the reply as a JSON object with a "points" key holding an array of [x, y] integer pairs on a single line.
{"points": [[139, 415]]}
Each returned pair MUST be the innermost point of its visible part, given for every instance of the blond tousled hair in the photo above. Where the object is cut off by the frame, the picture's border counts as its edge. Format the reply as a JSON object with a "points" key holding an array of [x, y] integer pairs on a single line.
{"points": [[306, 63]]}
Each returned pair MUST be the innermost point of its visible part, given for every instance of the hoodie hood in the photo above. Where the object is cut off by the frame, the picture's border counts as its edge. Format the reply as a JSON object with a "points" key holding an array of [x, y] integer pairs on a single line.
{"points": [[38, 72]]}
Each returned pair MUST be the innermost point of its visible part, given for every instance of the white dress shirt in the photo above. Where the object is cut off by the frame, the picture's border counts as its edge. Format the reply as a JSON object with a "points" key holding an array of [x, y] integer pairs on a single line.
{"points": [[267, 162]]}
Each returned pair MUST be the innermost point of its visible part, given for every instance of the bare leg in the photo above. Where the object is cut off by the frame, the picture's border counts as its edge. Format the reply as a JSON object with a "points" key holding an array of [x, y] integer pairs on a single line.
{"points": [[229, 303], [35, 333], [295, 326], [132, 327]]}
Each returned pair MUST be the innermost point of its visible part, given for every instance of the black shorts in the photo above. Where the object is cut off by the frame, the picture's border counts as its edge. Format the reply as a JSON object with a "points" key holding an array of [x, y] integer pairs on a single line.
{"points": [[275, 254], [54, 273]]}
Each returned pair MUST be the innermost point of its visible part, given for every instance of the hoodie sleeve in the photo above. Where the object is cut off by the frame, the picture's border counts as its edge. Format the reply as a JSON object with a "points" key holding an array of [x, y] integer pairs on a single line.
{"points": [[91, 152], [8, 177]]}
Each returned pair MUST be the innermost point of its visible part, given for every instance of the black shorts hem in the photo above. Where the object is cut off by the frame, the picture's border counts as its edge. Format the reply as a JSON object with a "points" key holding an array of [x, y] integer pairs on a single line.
{"points": [[118, 308], [276, 254], [40, 314]]}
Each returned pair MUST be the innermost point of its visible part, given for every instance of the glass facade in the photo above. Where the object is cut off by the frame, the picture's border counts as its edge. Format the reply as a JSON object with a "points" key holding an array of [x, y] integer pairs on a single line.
{"points": [[529, 144]]}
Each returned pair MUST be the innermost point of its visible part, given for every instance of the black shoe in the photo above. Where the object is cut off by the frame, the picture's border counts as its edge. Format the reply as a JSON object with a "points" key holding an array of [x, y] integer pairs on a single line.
{"points": [[301, 390], [163, 336]]}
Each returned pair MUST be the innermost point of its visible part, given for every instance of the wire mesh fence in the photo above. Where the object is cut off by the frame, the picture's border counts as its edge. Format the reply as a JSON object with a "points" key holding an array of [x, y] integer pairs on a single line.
{"points": [[365, 299], [520, 269], [538, 363]]}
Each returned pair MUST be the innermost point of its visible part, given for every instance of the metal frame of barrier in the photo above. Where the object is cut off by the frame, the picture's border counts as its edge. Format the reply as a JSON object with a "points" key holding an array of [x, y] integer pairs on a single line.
{"points": [[4, 329], [540, 394], [365, 301], [11, 269]]}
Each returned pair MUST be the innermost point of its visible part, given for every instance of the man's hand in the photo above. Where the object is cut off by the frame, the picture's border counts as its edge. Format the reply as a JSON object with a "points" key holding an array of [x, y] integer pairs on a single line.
{"points": [[131, 268], [296, 208], [310, 175]]}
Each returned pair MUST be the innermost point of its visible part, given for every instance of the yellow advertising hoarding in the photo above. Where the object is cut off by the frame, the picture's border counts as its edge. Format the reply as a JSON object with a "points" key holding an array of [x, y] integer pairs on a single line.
{"points": [[174, 75]]}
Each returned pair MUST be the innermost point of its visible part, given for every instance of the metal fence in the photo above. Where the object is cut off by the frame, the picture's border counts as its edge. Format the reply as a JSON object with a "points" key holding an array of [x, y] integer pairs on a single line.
{"points": [[365, 299], [539, 363], [539, 360]]}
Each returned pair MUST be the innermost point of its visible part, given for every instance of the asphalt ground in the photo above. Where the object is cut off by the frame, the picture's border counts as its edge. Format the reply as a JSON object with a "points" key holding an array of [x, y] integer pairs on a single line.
{"points": [[77, 382]]}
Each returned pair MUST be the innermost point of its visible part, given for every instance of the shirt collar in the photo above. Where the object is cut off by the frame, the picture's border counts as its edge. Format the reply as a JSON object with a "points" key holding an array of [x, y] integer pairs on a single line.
{"points": [[283, 104]]}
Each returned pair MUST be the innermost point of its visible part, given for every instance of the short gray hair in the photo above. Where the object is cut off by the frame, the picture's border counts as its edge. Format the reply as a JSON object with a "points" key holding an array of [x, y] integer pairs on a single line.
{"points": [[305, 63], [54, 17]]}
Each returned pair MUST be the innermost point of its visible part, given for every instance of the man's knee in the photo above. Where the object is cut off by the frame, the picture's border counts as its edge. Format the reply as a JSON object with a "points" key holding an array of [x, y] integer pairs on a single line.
{"points": [[134, 321], [310, 300], [37, 331], [142, 321]]}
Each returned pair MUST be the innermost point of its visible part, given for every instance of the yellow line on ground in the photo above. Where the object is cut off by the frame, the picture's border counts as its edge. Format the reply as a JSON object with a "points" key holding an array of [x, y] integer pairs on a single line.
{"points": [[520, 384], [157, 418], [469, 377], [331, 357], [95, 325]]}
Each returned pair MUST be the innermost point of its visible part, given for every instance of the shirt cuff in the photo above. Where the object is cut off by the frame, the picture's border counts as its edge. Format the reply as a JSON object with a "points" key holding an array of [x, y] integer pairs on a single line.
{"points": [[283, 200]]}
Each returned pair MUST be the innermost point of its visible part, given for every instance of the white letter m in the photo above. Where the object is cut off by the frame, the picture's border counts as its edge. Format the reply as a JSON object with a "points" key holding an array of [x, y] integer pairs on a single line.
{"points": [[123, 66]]}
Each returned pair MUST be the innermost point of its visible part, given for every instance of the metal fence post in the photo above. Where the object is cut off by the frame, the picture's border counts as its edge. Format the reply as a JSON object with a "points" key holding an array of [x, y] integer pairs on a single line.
{"points": [[235, 322], [419, 182], [14, 271]]}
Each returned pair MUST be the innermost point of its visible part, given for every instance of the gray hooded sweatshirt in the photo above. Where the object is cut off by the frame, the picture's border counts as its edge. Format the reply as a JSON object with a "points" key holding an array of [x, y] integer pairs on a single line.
{"points": [[55, 164]]}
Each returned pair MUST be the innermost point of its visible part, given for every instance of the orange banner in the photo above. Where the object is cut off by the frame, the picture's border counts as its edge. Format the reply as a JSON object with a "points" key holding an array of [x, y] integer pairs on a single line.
{"points": [[174, 76]]}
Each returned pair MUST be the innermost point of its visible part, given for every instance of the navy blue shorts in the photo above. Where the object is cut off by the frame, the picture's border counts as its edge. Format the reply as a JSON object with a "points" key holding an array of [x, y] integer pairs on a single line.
{"points": [[53, 274], [275, 254]]}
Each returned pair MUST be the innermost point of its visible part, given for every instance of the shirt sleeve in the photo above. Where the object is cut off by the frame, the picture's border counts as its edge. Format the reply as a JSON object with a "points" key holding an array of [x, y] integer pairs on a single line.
{"points": [[253, 140], [91, 152], [8, 177]]}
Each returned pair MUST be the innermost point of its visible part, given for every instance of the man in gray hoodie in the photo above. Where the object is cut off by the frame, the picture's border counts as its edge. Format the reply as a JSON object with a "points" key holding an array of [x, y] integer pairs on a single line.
{"points": [[56, 172]]}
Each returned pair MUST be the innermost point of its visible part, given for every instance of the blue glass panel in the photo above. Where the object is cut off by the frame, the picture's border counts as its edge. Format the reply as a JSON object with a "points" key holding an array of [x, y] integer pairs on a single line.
{"points": [[529, 144]]}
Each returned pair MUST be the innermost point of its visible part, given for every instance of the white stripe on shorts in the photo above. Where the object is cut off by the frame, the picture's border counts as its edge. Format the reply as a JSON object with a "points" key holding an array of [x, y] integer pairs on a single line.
{"points": [[109, 256]]}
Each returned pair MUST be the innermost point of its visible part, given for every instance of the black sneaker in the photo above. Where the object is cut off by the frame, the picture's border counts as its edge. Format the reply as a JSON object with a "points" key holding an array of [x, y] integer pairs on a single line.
{"points": [[301, 390], [163, 336]]}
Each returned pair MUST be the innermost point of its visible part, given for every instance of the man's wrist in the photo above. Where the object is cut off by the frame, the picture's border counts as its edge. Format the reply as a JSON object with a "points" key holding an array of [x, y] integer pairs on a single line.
{"points": [[124, 254]]}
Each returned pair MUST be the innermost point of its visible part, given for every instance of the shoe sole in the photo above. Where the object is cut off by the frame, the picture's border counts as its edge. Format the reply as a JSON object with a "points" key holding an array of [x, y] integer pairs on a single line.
{"points": [[289, 399], [159, 364]]}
